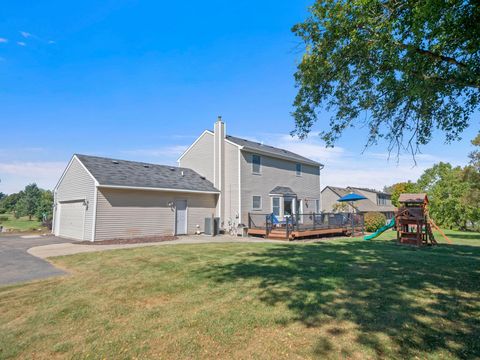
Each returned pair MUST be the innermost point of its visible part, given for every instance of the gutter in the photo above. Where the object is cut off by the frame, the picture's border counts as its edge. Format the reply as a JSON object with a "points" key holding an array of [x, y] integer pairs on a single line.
{"points": [[157, 189]]}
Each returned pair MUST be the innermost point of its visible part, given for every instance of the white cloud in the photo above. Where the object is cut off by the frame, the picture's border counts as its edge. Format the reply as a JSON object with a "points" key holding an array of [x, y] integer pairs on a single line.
{"points": [[15, 175], [25, 34], [3, 40], [21, 43]]}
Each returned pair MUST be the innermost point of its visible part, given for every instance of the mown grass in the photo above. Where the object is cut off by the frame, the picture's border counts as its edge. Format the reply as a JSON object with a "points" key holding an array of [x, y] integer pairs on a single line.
{"points": [[344, 298], [20, 224]]}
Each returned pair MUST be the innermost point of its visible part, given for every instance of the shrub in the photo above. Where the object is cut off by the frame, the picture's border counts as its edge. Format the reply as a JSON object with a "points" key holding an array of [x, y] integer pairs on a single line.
{"points": [[3, 210], [3, 218], [374, 221]]}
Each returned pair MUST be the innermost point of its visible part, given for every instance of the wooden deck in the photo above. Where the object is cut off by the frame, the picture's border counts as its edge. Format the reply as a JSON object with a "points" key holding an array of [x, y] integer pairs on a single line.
{"points": [[280, 233]]}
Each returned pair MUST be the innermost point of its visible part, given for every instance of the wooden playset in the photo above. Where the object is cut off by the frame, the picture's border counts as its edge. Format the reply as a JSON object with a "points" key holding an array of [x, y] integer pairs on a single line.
{"points": [[413, 224]]}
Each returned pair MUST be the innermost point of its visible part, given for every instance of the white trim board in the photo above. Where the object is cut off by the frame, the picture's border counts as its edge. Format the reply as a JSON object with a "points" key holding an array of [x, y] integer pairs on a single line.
{"points": [[94, 215], [68, 167], [193, 144]]}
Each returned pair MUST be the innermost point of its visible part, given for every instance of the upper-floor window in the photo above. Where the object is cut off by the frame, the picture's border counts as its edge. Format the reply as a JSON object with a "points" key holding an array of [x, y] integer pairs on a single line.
{"points": [[298, 169], [256, 164], [256, 202], [381, 200]]}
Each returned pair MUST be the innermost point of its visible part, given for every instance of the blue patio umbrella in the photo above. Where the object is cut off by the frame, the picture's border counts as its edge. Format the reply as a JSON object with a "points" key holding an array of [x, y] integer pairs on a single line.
{"points": [[351, 198]]}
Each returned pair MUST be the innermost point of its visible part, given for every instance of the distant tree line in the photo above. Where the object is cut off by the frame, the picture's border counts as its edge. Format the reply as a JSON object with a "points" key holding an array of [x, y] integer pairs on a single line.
{"points": [[454, 192], [31, 201]]}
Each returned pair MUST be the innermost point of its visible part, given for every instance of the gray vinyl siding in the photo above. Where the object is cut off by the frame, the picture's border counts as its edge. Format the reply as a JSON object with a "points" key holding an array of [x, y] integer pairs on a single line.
{"points": [[123, 213], [78, 184], [276, 172], [200, 157], [231, 188], [329, 199], [368, 194]]}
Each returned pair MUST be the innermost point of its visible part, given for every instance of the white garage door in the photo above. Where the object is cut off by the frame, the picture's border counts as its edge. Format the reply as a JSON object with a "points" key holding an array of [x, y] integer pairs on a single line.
{"points": [[72, 218]]}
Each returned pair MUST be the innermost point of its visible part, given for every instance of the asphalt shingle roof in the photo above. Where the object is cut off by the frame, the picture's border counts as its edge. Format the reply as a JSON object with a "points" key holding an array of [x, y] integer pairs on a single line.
{"points": [[113, 172], [254, 146], [282, 190], [362, 205]]}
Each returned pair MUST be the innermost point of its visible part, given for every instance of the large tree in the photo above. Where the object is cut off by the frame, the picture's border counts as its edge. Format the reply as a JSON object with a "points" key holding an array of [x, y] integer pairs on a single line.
{"points": [[400, 67], [45, 206], [475, 154], [401, 188], [9, 202], [29, 201], [449, 194]]}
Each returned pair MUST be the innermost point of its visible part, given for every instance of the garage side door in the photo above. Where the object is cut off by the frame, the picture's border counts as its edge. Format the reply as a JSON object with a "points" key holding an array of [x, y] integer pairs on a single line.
{"points": [[72, 217]]}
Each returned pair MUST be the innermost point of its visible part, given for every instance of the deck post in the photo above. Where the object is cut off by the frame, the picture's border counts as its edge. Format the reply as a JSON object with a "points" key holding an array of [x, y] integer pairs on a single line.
{"points": [[266, 226], [249, 221], [287, 228]]}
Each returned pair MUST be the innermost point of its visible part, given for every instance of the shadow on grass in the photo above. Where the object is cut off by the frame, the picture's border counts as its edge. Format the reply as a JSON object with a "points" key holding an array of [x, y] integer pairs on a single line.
{"points": [[423, 300]]}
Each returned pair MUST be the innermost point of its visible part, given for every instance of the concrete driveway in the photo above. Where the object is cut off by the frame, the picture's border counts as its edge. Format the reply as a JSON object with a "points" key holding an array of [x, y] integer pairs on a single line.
{"points": [[16, 265]]}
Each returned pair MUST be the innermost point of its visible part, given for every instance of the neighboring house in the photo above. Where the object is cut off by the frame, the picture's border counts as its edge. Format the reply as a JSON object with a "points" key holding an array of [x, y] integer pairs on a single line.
{"points": [[253, 177], [98, 198], [376, 200], [219, 175]]}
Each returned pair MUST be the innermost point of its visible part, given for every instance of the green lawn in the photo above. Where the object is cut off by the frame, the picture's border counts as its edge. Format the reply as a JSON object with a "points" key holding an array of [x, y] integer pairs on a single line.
{"points": [[20, 224], [338, 299]]}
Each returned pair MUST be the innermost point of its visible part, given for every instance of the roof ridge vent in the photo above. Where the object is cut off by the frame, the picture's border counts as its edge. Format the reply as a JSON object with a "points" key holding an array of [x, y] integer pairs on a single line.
{"points": [[172, 169], [115, 162], [146, 166]]}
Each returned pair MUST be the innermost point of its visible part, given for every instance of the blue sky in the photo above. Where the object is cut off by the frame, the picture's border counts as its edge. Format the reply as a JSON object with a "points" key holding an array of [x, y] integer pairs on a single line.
{"points": [[142, 79]]}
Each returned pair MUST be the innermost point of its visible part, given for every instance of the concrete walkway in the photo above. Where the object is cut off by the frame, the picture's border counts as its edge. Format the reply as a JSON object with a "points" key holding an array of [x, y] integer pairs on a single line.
{"points": [[51, 250]]}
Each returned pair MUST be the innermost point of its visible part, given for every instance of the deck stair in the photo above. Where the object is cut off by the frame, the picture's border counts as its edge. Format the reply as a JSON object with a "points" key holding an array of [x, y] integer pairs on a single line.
{"points": [[278, 234]]}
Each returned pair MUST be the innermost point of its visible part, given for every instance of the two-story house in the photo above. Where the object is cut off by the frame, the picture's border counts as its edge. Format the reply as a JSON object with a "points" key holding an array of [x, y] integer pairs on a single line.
{"points": [[253, 177], [219, 175], [376, 201]]}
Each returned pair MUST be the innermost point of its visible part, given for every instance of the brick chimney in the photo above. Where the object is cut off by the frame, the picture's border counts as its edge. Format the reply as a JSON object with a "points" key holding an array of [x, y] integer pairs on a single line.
{"points": [[219, 163]]}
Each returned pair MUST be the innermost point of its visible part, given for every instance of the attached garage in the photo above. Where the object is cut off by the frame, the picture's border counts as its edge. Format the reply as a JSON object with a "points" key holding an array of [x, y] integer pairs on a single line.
{"points": [[71, 220], [99, 198]]}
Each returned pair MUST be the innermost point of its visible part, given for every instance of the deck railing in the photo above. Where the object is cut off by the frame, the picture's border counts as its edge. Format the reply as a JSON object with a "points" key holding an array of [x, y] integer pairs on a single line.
{"points": [[304, 222]]}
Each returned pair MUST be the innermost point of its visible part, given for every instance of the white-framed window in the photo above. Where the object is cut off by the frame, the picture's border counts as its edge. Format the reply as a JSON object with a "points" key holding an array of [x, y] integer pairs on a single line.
{"points": [[256, 164], [317, 205], [381, 200], [276, 206], [298, 169], [256, 202]]}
